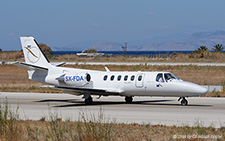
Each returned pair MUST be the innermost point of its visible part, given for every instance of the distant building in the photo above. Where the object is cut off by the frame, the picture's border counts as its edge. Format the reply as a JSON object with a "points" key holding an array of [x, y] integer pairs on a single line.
{"points": [[89, 54]]}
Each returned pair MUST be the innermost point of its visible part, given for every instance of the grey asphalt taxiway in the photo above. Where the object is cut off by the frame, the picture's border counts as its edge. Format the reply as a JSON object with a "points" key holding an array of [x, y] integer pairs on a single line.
{"points": [[202, 111]]}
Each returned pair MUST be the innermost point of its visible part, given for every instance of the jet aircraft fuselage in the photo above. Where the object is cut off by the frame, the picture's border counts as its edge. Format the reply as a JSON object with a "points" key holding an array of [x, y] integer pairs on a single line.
{"points": [[103, 83]]}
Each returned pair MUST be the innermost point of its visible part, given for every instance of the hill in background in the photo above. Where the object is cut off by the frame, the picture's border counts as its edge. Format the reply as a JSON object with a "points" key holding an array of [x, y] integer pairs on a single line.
{"points": [[181, 42]]}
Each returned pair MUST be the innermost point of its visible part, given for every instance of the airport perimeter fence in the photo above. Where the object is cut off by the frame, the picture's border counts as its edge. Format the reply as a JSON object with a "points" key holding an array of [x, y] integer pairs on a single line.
{"points": [[167, 55], [213, 88]]}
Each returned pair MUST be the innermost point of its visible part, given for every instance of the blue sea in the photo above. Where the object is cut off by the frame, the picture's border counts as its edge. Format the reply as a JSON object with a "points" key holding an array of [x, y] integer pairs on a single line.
{"points": [[121, 52]]}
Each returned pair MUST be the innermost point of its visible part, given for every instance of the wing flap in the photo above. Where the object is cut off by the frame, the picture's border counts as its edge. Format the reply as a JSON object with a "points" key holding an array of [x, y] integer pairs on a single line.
{"points": [[81, 90]]}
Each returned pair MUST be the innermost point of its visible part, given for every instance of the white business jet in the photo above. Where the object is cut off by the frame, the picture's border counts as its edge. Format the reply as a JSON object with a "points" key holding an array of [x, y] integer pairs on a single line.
{"points": [[103, 83]]}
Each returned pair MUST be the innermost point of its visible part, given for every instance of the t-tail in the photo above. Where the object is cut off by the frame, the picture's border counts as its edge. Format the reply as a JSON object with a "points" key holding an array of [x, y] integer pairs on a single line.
{"points": [[33, 53], [36, 62]]}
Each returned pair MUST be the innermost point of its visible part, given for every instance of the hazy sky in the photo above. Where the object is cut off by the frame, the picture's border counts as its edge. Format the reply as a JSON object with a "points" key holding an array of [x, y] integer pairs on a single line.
{"points": [[62, 23]]}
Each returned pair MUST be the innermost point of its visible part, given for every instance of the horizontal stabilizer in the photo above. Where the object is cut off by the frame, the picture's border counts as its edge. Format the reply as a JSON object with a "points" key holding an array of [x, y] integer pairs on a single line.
{"points": [[29, 66]]}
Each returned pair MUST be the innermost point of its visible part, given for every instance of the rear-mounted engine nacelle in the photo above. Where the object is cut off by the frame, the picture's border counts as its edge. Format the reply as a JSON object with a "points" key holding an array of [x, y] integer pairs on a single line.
{"points": [[78, 80]]}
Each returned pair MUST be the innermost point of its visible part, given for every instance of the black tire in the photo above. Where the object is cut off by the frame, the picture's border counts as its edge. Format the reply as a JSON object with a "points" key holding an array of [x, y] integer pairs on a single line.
{"points": [[128, 99], [88, 101], [184, 102]]}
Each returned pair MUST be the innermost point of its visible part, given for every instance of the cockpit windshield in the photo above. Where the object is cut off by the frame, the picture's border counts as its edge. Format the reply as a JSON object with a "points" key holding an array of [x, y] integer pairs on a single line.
{"points": [[166, 77], [170, 76]]}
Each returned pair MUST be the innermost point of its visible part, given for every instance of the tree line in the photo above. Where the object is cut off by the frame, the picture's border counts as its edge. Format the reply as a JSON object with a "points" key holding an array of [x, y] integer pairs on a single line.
{"points": [[203, 51], [216, 48]]}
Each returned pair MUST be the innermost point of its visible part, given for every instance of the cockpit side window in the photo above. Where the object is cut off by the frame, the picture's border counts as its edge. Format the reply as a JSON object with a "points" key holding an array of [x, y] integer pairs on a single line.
{"points": [[159, 78]]}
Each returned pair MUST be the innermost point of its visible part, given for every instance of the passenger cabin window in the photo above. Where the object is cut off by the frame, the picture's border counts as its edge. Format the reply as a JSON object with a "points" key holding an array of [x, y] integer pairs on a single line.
{"points": [[105, 77], [126, 77], [132, 78], [170, 76], [112, 77], [159, 78], [139, 78], [119, 78]]}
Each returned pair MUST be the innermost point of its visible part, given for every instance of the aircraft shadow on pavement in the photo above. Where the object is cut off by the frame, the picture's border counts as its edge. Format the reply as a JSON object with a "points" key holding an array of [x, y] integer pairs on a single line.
{"points": [[79, 102]]}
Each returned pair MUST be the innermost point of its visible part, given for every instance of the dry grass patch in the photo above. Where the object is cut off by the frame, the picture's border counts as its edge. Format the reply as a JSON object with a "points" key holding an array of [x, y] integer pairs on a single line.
{"points": [[15, 79], [11, 56], [175, 57]]}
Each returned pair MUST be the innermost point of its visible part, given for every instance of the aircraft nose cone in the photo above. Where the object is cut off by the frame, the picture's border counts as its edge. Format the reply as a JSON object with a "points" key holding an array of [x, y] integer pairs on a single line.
{"points": [[194, 89], [201, 90]]}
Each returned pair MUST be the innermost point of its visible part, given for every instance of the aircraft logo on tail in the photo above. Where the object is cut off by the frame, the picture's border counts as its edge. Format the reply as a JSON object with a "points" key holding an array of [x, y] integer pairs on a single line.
{"points": [[33, 54]]}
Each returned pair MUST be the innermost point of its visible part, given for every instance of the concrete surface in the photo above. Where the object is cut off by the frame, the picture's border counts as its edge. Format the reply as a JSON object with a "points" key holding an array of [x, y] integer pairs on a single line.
{"points": [[149, 110]]}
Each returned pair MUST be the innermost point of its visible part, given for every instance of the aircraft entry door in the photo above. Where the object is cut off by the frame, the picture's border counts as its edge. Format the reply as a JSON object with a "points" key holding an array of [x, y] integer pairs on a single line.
{"points": [[140, 80]]}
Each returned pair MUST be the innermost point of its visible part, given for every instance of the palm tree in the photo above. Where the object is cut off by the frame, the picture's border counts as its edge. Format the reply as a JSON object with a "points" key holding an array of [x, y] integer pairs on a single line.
{"points": [[201, 49], [218, 48]]}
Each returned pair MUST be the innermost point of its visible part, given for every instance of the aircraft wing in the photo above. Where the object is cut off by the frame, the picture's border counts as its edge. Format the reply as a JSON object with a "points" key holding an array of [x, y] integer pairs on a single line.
{"points": [[93, 91], [29, 66]]}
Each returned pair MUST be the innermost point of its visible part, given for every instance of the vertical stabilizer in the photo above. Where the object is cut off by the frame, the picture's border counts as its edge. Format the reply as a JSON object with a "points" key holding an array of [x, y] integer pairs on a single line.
{"points": [[33, 53]]}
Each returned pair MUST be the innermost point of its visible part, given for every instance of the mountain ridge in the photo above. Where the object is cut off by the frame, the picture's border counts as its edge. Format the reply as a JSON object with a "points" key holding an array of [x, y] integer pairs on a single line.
{"points": [[181, 42]]}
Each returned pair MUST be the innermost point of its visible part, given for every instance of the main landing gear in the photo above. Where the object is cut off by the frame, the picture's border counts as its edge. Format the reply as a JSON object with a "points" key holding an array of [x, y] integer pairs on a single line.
{"points": [[184, 102], [128, 99], [88, 100]]}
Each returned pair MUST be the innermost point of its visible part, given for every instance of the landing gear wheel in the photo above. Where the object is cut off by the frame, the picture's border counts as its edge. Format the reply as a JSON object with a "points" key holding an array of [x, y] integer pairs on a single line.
{"points": [[88, 101], [184, 102], [128, 99]]}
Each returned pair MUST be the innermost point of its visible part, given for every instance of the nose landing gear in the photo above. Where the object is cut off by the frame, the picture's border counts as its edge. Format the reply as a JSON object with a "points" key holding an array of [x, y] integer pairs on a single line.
{"points": [[184, 102]]}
